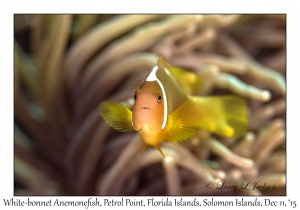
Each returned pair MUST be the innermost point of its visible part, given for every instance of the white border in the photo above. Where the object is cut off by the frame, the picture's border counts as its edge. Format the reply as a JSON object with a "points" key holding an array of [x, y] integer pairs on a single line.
{"points": [[8, 8]]}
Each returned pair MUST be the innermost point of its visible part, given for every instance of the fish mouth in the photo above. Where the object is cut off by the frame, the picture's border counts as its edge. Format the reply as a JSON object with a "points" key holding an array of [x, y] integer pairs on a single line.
{"points": [[144, 107]]}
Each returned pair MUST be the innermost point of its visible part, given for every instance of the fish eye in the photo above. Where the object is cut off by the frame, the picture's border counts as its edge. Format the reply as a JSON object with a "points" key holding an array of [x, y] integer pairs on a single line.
{"points": [[135, 96], [159, 98]]}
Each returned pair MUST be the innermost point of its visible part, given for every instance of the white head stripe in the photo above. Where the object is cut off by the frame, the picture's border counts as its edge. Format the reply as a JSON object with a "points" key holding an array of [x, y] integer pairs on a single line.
{"points": [[152, 77], [165, 104]]}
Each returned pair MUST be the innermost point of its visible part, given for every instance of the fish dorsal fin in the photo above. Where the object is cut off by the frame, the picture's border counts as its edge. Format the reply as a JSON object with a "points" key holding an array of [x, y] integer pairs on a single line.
{"points": [[227, 115], [174, 93], [186, 120], [189, 81], [116, 115]]}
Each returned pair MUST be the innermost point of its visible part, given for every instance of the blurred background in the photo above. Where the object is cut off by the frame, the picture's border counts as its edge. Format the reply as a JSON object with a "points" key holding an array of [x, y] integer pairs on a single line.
{"points": [[65, 65]]}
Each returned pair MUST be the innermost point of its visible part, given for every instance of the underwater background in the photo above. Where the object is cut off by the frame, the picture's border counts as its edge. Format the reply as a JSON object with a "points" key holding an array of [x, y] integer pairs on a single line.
{"points": [[66, 65]]}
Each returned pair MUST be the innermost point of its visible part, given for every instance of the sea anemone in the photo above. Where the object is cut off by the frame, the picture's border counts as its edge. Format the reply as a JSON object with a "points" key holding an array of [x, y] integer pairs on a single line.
{"points": [[66, 65]]}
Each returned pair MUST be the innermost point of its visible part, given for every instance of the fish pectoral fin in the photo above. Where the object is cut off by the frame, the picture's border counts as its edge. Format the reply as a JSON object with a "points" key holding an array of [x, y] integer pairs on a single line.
{"points": [[186, 120], [189, 81], [116, 115], [227, 115]]}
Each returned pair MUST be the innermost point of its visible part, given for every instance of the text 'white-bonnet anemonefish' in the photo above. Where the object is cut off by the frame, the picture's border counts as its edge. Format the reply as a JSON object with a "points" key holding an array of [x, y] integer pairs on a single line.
{"points": [[164, 110]]}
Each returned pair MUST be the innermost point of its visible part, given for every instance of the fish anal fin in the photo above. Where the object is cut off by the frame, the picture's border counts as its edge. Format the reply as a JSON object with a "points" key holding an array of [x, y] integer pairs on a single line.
{"points": [[116, 115], [228, 131]]}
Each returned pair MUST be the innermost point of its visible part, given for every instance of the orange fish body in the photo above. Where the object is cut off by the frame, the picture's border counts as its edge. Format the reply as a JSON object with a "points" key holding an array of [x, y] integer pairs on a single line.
{"points": [[148, 113], [165, 111]]}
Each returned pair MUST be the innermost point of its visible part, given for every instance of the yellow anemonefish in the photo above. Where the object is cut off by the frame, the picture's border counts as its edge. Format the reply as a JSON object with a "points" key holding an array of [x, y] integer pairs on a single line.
{"points": [[164, 110]]}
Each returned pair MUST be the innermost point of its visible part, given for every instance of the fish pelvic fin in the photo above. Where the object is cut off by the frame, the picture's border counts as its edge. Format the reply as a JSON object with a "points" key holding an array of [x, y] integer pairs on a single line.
{"points": [[227, 115], [116, 115], [189, 81], [144, 147], [156, 146], [159, 149]]}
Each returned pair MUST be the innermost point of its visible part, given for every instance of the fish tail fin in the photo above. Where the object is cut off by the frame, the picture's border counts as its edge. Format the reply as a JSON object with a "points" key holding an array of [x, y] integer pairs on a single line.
{"points": [[116, 115], [227, 115], [223, 115]]}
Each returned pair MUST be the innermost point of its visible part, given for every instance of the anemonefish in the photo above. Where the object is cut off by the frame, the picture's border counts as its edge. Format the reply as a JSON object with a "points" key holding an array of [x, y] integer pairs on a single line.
{"points": [[164, 109]]}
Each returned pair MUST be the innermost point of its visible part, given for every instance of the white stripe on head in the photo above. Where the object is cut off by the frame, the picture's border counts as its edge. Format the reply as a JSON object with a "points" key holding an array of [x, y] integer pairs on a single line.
{"points": [[152, 77]]}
